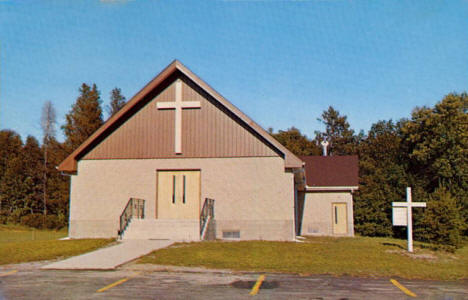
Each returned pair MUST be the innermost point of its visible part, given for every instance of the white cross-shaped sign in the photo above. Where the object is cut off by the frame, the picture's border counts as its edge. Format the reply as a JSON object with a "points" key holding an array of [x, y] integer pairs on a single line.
{"points": [[178, 105], [399, 208]]}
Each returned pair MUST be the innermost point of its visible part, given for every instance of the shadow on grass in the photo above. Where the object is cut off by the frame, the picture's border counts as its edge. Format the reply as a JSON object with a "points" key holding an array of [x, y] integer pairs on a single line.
{"points": [[438, 247], [393, 245], [432, 247]]}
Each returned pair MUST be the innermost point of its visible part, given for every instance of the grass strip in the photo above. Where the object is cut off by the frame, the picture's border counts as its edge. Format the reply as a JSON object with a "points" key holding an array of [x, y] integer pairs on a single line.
{"points": [[17, 252], [359, 256], [23, 244]]}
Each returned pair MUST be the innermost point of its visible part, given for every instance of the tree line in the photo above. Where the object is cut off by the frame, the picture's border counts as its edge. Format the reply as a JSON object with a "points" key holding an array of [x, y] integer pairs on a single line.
{"points": [[428, 151], [32, 190]]}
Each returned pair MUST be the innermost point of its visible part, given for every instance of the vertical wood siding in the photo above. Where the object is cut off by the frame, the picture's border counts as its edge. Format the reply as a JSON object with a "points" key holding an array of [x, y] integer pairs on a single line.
{"points": [[210, 131]]}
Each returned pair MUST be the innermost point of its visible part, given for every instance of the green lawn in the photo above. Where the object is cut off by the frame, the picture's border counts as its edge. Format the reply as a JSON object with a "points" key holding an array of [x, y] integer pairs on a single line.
{"points": [[22, 244], [17, 233], [360, 256]]}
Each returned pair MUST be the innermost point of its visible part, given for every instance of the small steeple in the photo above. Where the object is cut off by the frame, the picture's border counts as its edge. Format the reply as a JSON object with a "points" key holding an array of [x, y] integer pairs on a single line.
{"points": [[324, 146]]}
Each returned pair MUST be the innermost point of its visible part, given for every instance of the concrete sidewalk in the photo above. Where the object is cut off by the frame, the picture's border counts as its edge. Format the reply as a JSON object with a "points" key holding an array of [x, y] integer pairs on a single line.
{"points": [[111, 257]]}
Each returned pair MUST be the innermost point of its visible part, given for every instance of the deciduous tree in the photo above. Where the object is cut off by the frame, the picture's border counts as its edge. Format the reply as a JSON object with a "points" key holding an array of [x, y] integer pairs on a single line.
{"points": [[436, 142], [48, 122], [296, 142], [382, 179]]}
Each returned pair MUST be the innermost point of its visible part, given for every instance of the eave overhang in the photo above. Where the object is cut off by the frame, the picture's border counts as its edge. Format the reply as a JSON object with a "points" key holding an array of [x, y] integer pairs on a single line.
{"points": [[331, 188]]}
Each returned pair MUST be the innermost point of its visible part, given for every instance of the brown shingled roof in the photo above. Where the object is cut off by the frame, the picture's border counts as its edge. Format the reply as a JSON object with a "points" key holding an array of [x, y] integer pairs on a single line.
{"points": [[329, 171]]}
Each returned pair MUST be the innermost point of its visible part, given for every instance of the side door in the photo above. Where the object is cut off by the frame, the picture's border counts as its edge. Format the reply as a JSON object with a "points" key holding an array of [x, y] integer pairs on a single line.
{"points": [[340, 218]]}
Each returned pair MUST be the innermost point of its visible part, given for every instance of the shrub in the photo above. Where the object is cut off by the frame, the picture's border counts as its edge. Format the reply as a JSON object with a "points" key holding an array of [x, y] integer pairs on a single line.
{"points": [[43, 222], [62, 220], [15, 216], [3, 216], [33, 220], [442, 221], [51, 222]]}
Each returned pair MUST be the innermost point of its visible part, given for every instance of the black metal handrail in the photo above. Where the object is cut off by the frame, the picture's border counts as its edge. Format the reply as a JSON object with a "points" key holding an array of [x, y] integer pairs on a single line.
{"points": [[135, 208], [206, 213]]}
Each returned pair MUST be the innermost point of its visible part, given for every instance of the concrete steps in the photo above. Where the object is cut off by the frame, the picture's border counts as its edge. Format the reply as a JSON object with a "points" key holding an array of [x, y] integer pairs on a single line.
{"points": [[160, 229]]}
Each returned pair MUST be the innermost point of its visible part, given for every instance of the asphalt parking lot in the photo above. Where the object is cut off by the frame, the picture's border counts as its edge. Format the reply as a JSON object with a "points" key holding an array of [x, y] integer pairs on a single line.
{"points": [[32, 283]]}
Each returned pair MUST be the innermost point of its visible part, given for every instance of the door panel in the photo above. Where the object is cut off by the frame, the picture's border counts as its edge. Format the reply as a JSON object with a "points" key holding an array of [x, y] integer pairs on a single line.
{"points": [[178, 195], [340, 218]]}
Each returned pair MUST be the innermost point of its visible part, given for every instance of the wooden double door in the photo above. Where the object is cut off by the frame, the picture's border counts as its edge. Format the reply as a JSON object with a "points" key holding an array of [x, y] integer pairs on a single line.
{"points": [[178, 194]]}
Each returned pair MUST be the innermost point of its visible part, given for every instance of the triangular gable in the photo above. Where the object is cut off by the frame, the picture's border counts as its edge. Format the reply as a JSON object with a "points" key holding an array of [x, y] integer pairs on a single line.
{"points": [[69, 165]]}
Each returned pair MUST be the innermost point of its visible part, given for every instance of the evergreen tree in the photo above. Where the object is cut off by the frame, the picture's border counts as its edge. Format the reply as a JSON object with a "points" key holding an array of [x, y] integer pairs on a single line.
{"points": [[117, 101], [58, 185], [32, 160], [442, 222], [10, 150], [295, 141], [338, 133], [10, 146], [21, 185], [13, 186], [84, 117]]}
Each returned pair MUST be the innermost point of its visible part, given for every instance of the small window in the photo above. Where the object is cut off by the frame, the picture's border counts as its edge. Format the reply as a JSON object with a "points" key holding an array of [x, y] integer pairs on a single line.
{"points": [[336, 215], [183, 197], [231, 234], [173, 188]]}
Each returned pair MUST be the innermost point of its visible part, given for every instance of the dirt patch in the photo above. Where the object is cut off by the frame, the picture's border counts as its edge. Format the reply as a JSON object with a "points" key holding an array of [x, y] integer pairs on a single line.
{"points": [[426, 256]]}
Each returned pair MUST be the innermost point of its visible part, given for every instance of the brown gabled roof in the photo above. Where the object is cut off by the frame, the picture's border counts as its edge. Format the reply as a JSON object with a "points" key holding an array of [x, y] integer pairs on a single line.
{"points": [[69, 165], [331, 171]]}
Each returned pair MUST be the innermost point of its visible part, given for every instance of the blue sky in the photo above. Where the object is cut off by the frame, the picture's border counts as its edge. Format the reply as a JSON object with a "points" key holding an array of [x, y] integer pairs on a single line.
{"points": [[281, 62]]}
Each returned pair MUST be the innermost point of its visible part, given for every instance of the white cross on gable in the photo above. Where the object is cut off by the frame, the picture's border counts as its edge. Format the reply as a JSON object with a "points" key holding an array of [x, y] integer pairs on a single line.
{"points": [[178, 105]]}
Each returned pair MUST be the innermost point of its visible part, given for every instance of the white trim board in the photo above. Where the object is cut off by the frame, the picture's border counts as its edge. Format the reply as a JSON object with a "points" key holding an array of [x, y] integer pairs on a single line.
{"points": [[330, 188]]}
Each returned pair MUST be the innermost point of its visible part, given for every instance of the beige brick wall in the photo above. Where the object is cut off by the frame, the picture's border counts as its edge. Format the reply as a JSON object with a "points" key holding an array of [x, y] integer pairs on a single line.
{"points": [[253, 194], [318, 216]]}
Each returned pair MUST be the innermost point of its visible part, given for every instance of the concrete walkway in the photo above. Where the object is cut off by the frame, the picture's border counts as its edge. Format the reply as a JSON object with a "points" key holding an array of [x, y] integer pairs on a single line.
{"points": [[111, 257]]}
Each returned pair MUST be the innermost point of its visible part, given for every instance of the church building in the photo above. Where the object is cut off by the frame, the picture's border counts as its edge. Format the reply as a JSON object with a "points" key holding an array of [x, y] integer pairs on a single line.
{"points": [[180, 162]]}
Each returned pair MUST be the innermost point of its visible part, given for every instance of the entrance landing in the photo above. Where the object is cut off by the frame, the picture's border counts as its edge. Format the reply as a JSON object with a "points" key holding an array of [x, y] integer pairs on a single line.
{"points": [[111, 257]]}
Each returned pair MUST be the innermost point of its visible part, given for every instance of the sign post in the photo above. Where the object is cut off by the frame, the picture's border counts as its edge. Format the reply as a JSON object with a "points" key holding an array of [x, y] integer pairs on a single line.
{"points": [[402, 215]]}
